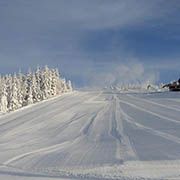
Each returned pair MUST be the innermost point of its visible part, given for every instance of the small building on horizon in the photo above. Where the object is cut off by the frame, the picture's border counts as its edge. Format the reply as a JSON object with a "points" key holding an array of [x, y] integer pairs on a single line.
{"points": [[174, 86]]}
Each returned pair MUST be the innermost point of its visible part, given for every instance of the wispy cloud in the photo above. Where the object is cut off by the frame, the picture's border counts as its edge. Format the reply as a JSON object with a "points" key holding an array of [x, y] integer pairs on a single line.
{"points": [[132, 72]]}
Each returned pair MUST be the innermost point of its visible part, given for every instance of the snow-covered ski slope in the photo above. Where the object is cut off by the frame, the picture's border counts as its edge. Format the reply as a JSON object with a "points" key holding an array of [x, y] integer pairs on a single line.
{"points": [[93, 135]]}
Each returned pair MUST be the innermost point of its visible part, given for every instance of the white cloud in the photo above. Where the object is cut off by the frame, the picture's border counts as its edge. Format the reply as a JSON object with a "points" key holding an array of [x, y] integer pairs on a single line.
{"points": [[123, 73]]}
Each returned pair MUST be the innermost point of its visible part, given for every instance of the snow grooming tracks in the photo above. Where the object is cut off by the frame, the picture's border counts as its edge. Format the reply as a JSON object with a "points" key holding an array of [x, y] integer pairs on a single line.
{"points": [[47, 149], [154, 103], [150, 130], [124, 150], [115, 132], [88, 125], [91, 136], [150, 112]]}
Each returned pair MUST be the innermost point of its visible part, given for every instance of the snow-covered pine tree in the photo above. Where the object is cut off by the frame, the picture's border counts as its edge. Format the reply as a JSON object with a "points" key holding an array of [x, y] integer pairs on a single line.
{"points": [[29, 96], [34, 86], [54, 81], [58, 82], [8, 81], [69, 86], [0, 86], [64, 86], [13, 102], [39, 84], [21, 90], [24, 90], [3, 98], [46, 83]]}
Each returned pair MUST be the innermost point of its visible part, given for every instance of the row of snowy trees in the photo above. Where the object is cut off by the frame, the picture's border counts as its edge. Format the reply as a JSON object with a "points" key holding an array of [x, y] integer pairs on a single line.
{"points": [[19, 90]]}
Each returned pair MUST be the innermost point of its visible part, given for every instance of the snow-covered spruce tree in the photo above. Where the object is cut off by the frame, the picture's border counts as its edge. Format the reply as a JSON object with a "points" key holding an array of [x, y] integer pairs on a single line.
{"points": [[29, 99], [58, 82], [54, 81], [3, 96], [8, 79], [20, 90], [34, 86], [64, 86], [0, 86], [24, 90], [46, 83], [14, 101], [29, 96], [38, 77], [69, 86]]}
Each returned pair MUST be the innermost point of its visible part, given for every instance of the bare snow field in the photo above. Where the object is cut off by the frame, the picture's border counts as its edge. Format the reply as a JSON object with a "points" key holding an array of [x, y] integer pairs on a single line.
{"points": [[93, 135]]}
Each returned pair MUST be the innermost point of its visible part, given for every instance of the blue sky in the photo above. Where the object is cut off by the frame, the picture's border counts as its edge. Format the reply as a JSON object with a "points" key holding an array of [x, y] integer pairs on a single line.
{"points": [[93, 42]]}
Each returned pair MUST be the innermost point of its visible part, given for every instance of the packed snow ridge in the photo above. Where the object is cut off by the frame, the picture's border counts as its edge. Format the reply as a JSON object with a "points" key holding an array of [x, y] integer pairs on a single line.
{"points": [[21, 90]]}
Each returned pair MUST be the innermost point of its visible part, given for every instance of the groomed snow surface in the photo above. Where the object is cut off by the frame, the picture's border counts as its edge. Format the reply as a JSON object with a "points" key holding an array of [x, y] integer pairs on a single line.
{"points": [[93, 135]]}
